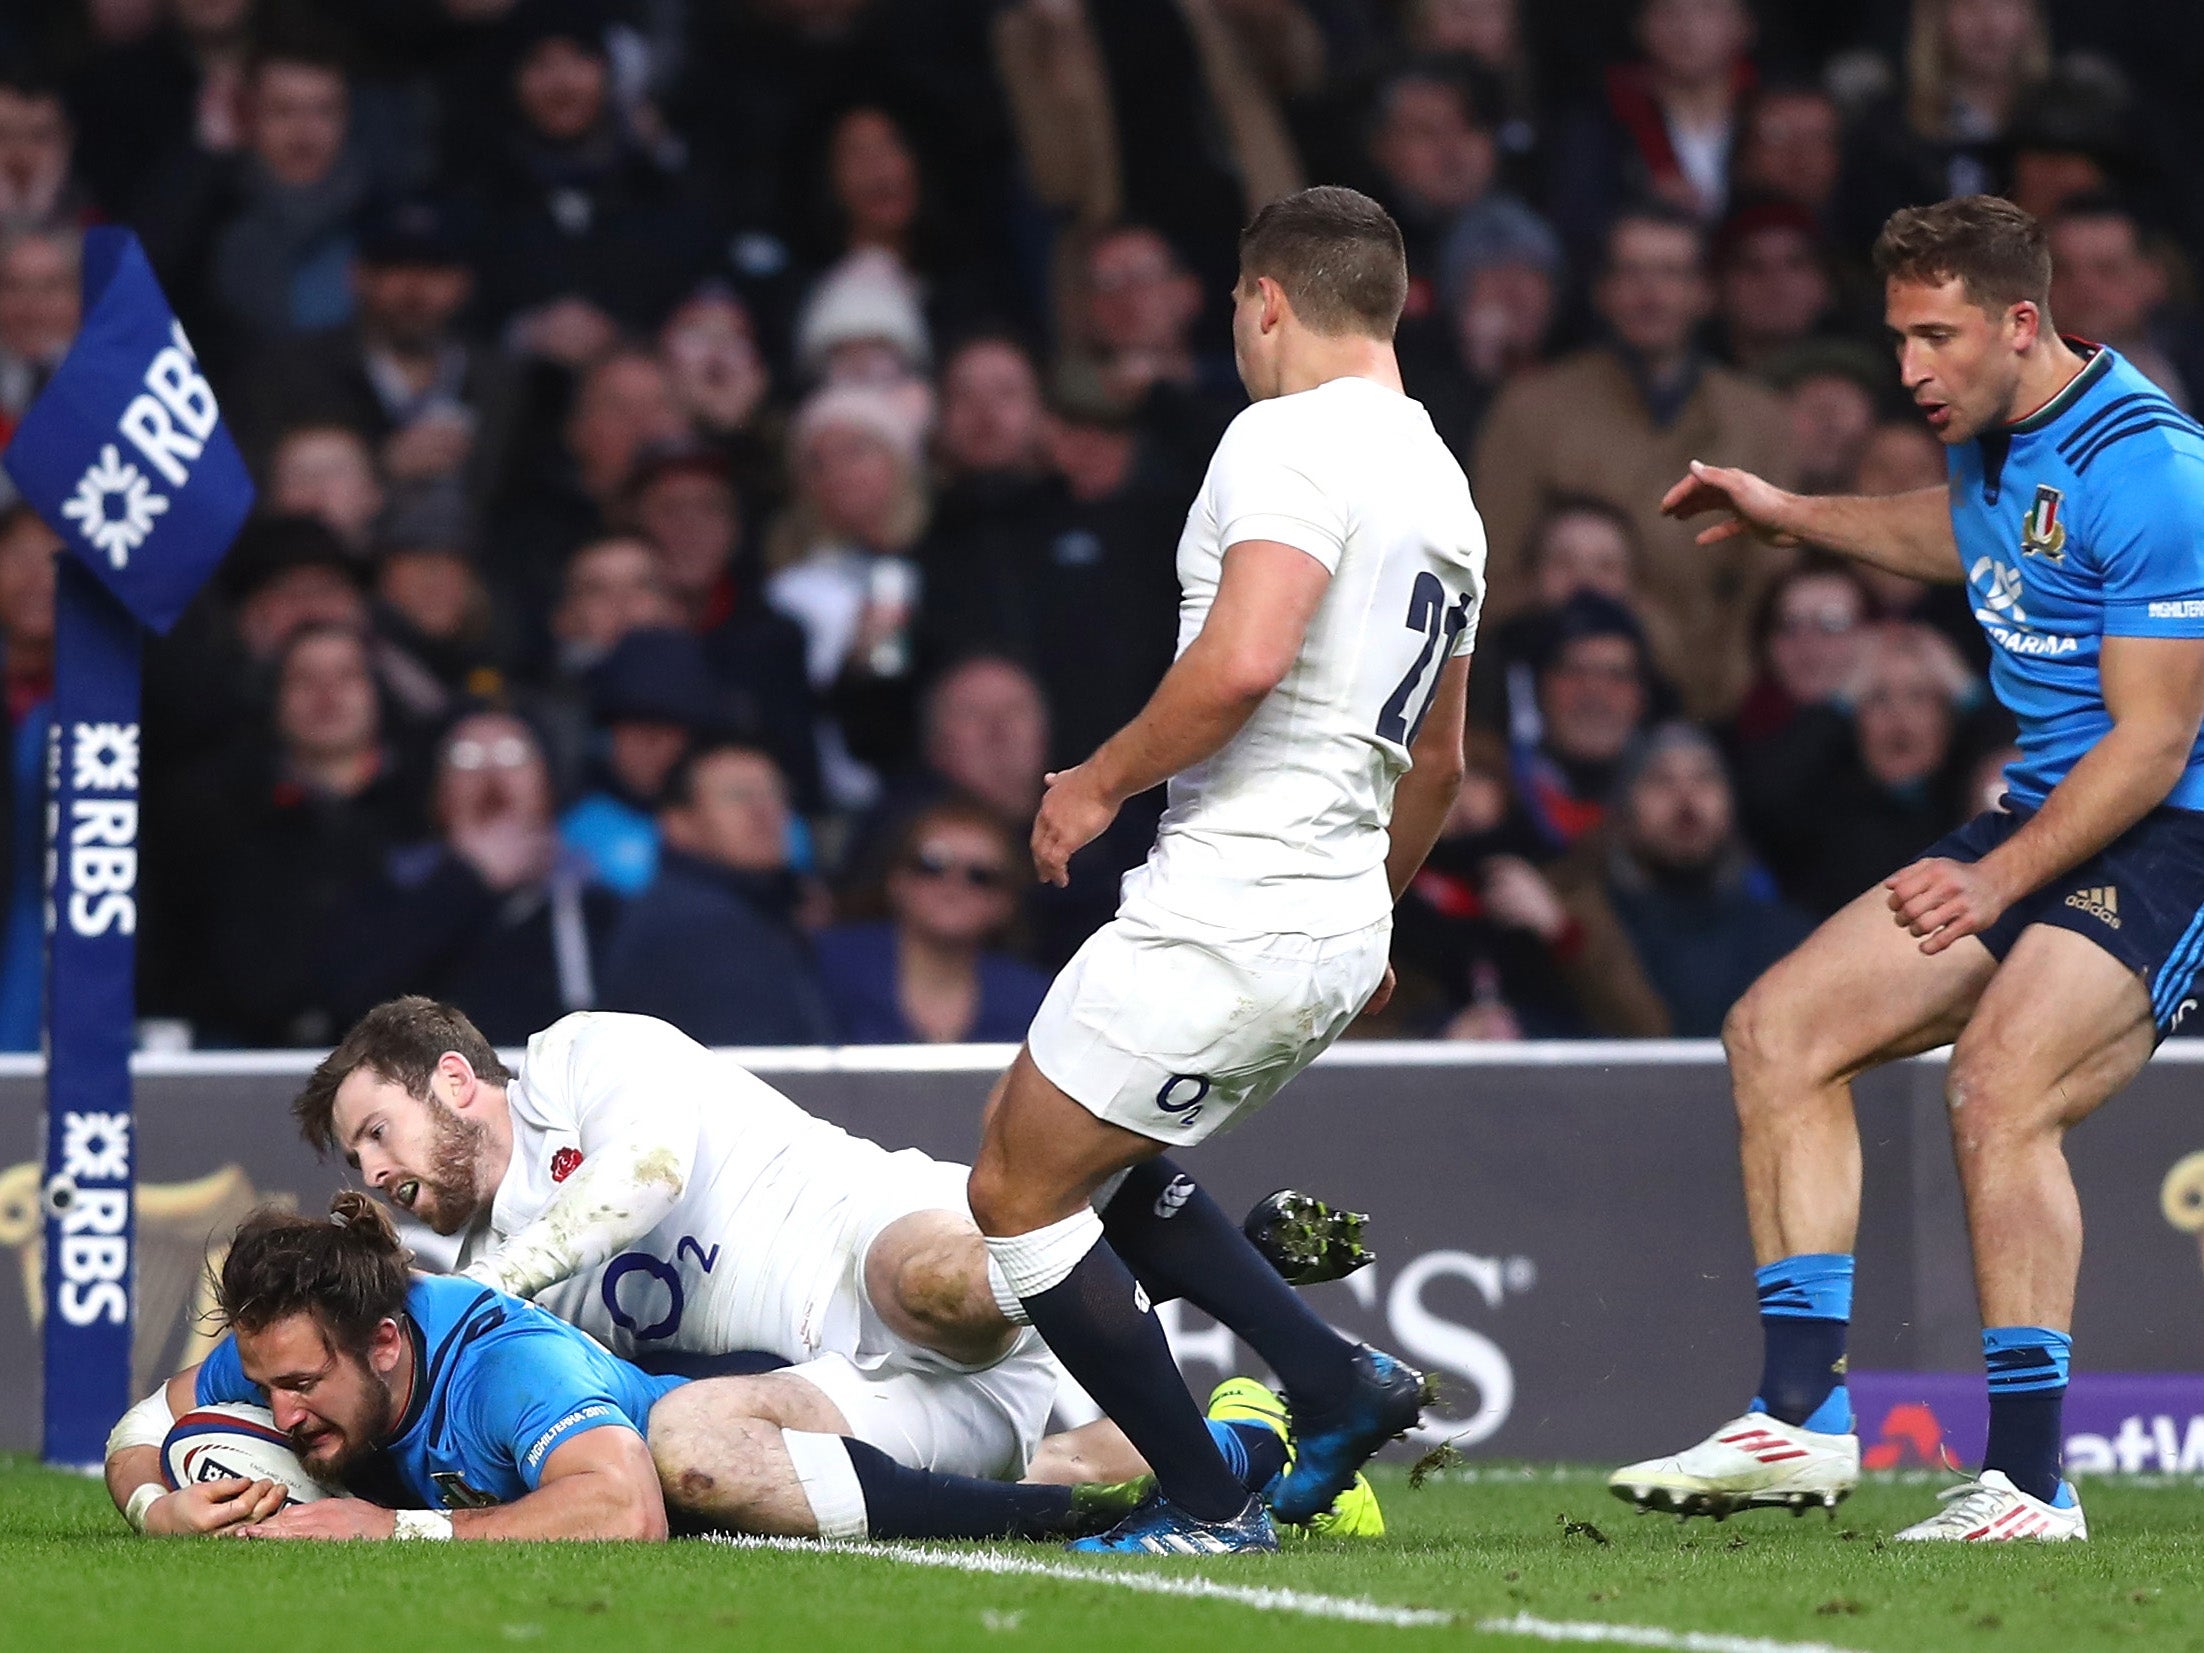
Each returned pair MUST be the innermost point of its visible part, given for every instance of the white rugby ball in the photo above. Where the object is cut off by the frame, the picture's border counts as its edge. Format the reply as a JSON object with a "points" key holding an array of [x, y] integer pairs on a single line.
{"points": [[233, 1441]]}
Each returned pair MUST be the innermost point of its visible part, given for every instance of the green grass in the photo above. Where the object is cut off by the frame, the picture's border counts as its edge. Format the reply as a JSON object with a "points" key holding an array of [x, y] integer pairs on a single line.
{"points": [[1480, 1544]]}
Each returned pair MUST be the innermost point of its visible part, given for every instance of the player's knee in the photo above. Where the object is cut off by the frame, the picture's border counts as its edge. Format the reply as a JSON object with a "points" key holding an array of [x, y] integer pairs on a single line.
{"points": [[1758, 1034], [1992, 1111], [942, 1291]]}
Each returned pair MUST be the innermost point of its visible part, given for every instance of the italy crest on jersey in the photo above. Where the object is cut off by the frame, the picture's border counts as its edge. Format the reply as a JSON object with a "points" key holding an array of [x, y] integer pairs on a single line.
{"points": [[2043, 529]]}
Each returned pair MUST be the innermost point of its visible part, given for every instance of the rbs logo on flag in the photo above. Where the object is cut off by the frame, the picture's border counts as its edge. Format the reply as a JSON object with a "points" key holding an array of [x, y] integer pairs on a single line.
{"points": [[125, 451]]}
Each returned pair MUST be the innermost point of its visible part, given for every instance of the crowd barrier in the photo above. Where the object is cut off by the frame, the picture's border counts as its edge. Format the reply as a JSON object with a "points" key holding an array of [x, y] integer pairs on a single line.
{"points": [[1559, 1228]]}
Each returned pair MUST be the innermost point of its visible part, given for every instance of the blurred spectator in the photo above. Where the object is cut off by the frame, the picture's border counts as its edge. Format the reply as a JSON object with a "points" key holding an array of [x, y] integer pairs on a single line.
{"points": [[872, 205], [650, 697], [39, 189], [1148, 110], [710, 349], [622, 406], [1131, 341], [929, 972], [27, 551], [863, 325], [613, 586], [1851, 792], [1772, 285], [256, 244], [712, 945], [1500, 293], [1437, 163], [431, 603], [1969, 67], [1807, 639], [255, 871], [183, 84], [1487, 948], [492, 915], [1790, 147], [1577, 544], [1702, 918], [40, 280], [1832, 389], [586, 232], [437, 407], [1665, 126], [1489, 35], [1620, 422], [840, 559], [1594, 693], [326, 472], [2106, 285]]}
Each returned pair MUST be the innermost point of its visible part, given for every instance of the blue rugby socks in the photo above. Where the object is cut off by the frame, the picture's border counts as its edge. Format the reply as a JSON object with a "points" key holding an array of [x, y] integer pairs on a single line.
{"points": [[1252, 1452], [1181, 1244], [2027, 1368], [1805, 1311]]}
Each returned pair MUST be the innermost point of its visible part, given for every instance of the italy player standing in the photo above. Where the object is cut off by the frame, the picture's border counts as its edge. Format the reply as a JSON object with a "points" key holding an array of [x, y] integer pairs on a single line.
{"points": [[2054, 940], [1311, 733]]}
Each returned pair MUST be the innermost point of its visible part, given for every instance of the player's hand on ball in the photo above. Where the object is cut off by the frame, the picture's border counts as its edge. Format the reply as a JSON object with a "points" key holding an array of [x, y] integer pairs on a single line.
{"points": [[212, 1507], [327, 1518], [1753, 506], [1075, 811], [1940, 901]]}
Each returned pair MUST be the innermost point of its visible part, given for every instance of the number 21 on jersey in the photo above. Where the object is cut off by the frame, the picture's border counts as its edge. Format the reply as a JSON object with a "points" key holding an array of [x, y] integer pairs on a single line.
{"points": [[1440, 623]]}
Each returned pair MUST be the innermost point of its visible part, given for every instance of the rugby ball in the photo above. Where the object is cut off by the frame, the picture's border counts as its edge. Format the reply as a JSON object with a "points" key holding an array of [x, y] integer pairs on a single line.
{"points": [[233, 1441]]}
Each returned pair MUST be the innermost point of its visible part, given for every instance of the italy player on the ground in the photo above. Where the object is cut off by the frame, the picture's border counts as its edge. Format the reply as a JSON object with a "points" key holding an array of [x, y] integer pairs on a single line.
{"points": [[448, 1410], [1311, 733], [2055, 940]]}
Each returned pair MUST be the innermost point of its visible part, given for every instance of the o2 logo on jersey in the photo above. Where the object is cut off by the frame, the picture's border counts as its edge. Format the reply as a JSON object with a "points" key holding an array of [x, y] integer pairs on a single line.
{"points": [[2043, 529], [659, 1296], [1181, 1104]]}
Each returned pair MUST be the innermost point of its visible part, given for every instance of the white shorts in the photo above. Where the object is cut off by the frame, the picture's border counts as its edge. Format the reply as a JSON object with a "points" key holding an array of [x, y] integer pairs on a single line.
{"points": [[917, 1405], [1174, 1029]]}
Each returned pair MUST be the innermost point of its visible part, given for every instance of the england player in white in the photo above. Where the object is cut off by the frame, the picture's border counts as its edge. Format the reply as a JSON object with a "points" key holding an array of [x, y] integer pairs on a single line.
{"points": [[667, 1201], [1311, 733]]}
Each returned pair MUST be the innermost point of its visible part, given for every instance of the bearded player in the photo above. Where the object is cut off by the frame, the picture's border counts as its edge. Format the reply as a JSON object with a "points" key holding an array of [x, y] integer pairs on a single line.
{"points": [[2053, 940], [1311, 732]]}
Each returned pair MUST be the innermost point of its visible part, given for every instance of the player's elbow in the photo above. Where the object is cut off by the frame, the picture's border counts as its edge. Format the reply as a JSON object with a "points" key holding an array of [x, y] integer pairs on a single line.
{"points": [[636, 1513], [1247, 672]]}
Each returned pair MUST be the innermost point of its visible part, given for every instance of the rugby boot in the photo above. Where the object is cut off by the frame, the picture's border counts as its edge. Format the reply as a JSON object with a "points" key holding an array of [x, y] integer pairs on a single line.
{"points": [[1354, 1513], [1756, 1462], [1990, 1510], [1330, 1448], [1306, 1240], [1160, 1527]]}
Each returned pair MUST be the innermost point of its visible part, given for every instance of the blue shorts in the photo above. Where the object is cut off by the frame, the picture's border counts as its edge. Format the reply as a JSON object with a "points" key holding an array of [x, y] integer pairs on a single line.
{"points": [[2140, 898]]}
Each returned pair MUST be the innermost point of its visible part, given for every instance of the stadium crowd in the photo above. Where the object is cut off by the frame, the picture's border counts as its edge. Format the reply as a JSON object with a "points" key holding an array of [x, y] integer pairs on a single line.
{"points": [[716, 456]]}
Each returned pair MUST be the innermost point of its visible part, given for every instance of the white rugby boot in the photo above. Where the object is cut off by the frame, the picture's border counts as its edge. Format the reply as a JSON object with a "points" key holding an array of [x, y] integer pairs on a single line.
{"points": [[1756, 1462], [1990, 1510]]}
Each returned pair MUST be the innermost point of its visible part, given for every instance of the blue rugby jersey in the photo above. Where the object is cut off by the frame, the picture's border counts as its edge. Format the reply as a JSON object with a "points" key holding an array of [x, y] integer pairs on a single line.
{"points": [[2084, 520], [499, 1386]]}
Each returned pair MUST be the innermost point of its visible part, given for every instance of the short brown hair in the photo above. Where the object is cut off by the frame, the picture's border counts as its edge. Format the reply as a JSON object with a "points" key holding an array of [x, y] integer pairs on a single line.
{"points": [[401, 1041], [347, 1270], [1337, 254], [1996, 250]]}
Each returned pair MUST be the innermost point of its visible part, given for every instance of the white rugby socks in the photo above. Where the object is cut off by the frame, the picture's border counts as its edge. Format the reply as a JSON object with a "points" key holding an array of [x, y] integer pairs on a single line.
{"points": [[1025, 1265]]}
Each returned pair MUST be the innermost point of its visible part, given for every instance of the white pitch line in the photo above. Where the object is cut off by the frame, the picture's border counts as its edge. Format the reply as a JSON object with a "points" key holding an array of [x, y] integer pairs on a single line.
{"points": [[1308, 1604], [1644, 1635], [1305, 1603]]}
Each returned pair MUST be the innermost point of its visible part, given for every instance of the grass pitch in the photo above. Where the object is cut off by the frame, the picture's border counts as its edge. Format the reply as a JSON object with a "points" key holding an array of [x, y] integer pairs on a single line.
{"points": [[1479, 1558]]}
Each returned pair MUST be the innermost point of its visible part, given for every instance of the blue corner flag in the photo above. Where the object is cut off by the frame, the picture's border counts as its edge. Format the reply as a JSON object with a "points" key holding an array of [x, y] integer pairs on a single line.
{"points": [[125, 456], [124, 453]]}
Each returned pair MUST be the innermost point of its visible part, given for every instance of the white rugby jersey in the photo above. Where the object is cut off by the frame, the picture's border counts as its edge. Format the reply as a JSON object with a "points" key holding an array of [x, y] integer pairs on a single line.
{"points": [[1284, 830], [755, 1250]]}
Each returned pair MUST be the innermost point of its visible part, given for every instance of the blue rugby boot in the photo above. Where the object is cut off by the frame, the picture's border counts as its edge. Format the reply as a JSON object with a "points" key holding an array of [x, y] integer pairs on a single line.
{"points": [[1160, 1527], [1330, 1448]]}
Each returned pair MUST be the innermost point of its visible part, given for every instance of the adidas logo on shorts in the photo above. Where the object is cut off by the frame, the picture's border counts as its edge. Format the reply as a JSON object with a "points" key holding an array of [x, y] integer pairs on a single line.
{"points": [[2101, 902]]}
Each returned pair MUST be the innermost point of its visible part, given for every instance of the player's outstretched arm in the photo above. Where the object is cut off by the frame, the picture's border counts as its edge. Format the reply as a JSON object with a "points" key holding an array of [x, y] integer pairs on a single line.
{"points": [[1425, 795], [1266, 596], [2154, 689], [1907, 534], [135, 1482]]}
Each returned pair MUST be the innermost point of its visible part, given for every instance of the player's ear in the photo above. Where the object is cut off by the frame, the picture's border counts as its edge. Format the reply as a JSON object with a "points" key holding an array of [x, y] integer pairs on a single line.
{"points": [[2026, 322], [458, 1076], [386, 1348]]}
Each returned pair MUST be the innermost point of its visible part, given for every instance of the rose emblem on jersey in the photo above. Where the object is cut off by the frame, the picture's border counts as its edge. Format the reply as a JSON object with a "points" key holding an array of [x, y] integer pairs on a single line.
{"points": [[564, 1163]]}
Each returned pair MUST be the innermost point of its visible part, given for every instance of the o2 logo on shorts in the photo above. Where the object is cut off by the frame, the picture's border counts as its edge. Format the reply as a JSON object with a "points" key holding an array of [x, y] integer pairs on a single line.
{"points": [[1183, 1105]]}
